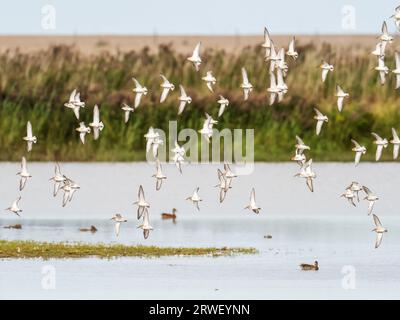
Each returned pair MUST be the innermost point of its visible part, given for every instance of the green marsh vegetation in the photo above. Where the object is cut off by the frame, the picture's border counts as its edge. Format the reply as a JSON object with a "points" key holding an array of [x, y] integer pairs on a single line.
{"points": [[47, 250], [35, 86]]}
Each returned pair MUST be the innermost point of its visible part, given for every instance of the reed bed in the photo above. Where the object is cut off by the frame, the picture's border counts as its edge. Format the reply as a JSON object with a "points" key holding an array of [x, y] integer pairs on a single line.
{"points": [[35, 86]]}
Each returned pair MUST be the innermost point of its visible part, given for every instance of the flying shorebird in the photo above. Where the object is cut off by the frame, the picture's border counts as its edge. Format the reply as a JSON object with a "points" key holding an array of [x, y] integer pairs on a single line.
{"points": [[145, 226], [118, 219], [97, 125], [371, 198], [273, 89], [385, 37], [195, 57], [141, 203], [210, 80], [223, 185], [24, 174], [167, 87], [292, 51], [159, 175], [127, 111], [340, 94], [30, 138], [379, 229], [307, 173], [139, 90], [83, 130], [273, 58], [150, 136], [246, 86], [75, 103], [321, 118], [223, 103], [179, 156], [267, 43], [195, 198], [58, 179], [356, 188], [396, 143], [299, 157], [397, 70], [326, 67], [281, 64], [14, 207], [281, 85], [228, 173], [153, 141], [252, 205], [396, 17], [359, 150], [379, 49], [382, 69], [157, 142], [300, 145], [380, 144], [183, 100], [207, 129], [350, 196], [69, 188]]}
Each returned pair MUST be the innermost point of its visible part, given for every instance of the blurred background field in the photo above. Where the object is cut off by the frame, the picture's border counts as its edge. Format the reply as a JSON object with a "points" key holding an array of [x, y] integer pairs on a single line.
{"points": [[36, 78]]}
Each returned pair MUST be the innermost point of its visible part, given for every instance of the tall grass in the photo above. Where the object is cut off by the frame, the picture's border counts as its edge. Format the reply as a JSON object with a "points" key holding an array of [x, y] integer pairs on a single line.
{"points": [[35, 86]]}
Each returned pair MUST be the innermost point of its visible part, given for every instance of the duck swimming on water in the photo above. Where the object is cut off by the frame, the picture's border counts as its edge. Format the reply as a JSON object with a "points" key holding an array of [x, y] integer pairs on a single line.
{"points": [[307, 267]]}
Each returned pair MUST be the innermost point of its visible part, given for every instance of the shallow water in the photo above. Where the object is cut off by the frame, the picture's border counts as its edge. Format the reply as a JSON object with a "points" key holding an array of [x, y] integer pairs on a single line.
{"points": [[304, 226]]}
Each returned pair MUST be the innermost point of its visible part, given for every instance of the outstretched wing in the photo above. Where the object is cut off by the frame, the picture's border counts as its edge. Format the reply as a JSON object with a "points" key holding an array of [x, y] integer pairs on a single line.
{"points": [[356, 144], [96, 114], [244, 76], [29, 130], [164, 95], [196, 51], [137, 99], [183, 92], [377, 221]]}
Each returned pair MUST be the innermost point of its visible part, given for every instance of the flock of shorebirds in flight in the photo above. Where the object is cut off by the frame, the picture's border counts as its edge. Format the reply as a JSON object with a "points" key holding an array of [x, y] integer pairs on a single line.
{"points": [[278, 70]]}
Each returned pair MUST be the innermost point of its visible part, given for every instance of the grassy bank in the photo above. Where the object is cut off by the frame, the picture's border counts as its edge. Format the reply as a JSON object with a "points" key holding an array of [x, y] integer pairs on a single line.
{"points": [[35, 86], [47, 250]]}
